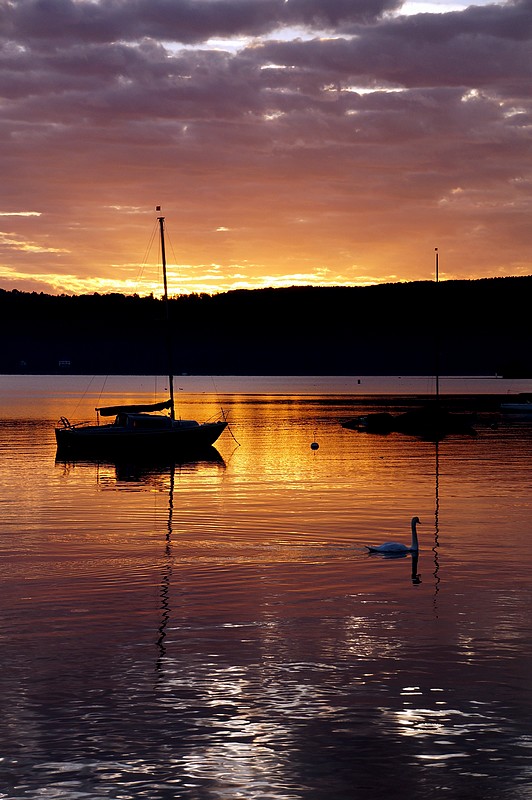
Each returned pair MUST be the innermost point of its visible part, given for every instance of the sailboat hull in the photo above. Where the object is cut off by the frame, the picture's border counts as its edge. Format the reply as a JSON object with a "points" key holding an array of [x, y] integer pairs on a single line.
{"points": [[100, 440]]}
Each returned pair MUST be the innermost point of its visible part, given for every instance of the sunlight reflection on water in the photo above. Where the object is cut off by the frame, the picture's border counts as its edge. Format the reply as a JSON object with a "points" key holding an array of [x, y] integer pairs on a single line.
{"points": [[216, 629]]}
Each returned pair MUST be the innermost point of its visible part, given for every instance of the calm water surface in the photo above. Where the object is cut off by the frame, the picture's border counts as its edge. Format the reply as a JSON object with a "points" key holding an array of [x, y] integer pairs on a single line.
{"points": [[215, 630]]}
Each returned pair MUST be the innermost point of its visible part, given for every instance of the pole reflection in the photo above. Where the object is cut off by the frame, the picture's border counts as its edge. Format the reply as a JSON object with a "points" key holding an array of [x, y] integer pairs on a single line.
{"points": [[166, 576], [436, 544]]}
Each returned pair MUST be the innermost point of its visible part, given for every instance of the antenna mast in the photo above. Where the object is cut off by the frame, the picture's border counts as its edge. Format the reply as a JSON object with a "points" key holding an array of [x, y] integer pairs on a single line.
{"points": [[437, 345]]}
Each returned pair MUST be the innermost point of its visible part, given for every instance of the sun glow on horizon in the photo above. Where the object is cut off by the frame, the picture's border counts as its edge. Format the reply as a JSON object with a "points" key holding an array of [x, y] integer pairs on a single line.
{"points": [[178, 285]]}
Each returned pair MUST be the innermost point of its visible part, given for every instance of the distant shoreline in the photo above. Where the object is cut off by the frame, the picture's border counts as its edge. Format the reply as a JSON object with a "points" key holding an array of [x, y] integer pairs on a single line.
{"points": [[361, 389], [461, 328]]}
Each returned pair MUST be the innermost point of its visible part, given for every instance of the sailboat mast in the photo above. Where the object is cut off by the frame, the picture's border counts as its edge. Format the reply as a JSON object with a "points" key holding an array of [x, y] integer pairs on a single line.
{"points": [[437, 347], [167, 311]]}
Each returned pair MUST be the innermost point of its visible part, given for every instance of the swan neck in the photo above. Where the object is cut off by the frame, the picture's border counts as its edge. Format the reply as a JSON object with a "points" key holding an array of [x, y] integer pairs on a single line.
{"points": [[415, 545]]}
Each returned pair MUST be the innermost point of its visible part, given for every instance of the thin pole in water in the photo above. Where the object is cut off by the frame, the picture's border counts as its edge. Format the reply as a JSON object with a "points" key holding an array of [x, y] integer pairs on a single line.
{"points": [[167, 309]]}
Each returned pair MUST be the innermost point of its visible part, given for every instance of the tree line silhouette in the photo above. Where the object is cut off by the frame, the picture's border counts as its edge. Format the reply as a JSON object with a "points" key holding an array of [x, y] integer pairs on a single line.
{"points": [[479, 327]]}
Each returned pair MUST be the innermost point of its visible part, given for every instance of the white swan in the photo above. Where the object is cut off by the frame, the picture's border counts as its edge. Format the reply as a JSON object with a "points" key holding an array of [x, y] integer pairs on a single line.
{"points": [[397, 547]]}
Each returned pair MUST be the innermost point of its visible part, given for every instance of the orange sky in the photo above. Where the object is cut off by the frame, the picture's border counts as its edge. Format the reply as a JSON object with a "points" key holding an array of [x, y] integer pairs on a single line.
{"points": [[288, 142]]}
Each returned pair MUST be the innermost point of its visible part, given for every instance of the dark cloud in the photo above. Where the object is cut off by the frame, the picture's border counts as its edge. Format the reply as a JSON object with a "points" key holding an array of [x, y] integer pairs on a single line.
{"points": [[424, 50], [186, 21], [512, 21]]}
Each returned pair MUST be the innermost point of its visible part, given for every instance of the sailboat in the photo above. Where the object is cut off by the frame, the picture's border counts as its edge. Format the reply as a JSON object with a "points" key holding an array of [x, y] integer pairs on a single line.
{"points": [[429, 422], [139, 428]]}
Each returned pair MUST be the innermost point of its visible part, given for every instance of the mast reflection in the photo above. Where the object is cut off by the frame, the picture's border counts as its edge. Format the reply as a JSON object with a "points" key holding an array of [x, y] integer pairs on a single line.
{"points": [[150, 475], [166, 578]]}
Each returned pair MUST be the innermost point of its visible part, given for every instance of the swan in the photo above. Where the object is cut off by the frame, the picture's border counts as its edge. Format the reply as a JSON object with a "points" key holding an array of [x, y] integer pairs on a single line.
{"points": [[396, 547]]}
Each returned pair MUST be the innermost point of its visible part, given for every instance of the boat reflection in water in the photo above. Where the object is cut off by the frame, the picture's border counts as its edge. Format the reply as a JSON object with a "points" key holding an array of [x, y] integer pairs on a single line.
{"points": [[159, 475], [145, 467]]}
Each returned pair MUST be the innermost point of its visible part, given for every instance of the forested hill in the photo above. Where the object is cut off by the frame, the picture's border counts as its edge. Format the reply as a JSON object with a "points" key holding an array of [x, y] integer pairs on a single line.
{"points": [[478, 327]]}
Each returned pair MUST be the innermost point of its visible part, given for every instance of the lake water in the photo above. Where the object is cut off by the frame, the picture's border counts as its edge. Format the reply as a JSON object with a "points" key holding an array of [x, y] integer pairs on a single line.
{"points": [[216, 630]]}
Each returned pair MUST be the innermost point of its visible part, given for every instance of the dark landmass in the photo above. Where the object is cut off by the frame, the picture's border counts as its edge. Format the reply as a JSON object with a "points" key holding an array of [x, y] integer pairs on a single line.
{"points": [[479, 327]]}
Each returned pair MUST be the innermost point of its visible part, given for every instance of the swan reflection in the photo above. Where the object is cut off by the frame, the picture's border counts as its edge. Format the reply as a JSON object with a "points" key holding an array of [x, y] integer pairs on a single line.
{"points": [[414, 575]]}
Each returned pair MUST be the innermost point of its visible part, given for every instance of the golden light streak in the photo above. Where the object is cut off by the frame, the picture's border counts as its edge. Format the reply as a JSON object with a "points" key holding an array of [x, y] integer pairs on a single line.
{"points": [[12, 243], [20, 213]]}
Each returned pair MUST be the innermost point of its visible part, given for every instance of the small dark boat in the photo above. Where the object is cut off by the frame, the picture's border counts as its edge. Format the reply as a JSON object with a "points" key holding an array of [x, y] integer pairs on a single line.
{"points": [[139, 428], [519, 404], [428, 422]]}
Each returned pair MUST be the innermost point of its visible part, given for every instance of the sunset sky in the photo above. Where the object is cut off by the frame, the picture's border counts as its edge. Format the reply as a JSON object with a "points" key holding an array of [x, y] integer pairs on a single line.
{"points": [[287, 141]]}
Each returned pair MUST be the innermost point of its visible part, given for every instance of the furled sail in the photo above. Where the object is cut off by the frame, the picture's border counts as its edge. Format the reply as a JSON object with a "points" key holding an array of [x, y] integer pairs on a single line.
{"points": [[109, 411]]}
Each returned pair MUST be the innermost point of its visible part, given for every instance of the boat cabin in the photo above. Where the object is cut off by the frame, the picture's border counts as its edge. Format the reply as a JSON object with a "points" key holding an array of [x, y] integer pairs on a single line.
{"points": [[151, 422]]}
